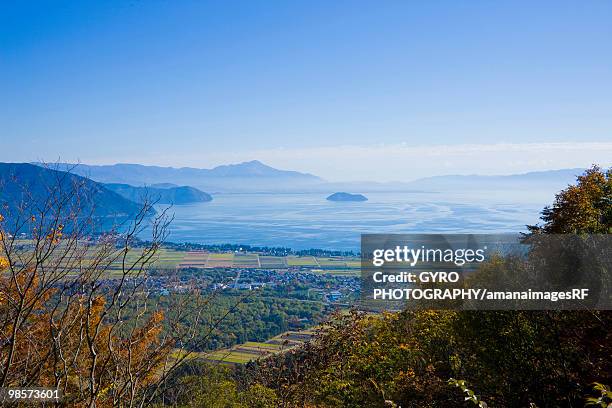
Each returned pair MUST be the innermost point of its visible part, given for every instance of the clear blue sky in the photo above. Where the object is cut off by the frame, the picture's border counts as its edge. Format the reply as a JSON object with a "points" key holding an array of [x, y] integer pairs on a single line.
{"points": [[201, 83]]}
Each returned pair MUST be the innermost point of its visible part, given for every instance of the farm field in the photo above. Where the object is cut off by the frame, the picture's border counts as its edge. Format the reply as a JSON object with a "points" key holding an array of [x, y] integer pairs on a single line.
{"points": [[243, 353], [202, 259], [272, 262], [246, 260], [301, 261], [222, 260], [167, 258]]}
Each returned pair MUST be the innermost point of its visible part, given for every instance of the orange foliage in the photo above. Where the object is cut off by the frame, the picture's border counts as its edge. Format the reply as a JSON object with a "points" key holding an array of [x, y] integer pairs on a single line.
{"points": [[80, 338]]}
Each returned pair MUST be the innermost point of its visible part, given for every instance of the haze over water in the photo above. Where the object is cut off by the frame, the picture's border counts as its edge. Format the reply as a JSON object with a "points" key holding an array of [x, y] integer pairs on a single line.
{"points": [[302, 221]]}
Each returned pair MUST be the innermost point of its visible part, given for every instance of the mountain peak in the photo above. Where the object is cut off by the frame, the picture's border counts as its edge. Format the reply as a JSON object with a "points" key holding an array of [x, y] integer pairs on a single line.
{"points": [[252, 164], [254, 168], [248, 175]]}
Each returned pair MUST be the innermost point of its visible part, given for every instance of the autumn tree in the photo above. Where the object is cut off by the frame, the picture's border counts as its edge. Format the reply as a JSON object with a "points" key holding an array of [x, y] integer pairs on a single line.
{"points": [[585, 207], [513, 358], [76, 311]]}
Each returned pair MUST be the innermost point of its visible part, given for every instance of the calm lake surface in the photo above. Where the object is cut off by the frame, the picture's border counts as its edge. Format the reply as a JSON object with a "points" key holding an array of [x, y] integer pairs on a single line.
{"points": [[302, 221]]}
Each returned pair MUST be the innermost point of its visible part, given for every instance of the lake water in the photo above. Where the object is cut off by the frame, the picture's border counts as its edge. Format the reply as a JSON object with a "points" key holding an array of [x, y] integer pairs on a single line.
{"points": [[302, 221]]}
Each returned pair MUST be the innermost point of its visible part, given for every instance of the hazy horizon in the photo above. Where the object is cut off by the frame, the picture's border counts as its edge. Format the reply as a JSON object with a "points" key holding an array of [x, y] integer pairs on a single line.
{"points": [[344, 91], [503, 159]]}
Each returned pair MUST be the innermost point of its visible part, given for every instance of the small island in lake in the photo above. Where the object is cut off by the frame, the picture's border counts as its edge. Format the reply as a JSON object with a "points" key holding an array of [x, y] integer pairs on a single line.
{"points": [[347, 197]]}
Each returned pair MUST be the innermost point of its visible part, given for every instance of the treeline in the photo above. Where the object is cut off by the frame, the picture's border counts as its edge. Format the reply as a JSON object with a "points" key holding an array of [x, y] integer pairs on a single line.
{"points": [[511, 359], [239, 316], [265, 250]]}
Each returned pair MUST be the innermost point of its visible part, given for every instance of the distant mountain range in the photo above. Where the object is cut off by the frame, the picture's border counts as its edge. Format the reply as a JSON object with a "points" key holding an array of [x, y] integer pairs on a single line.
{"points": [[113, 202], [247, 176], [255, 176], [24, 185], [556, 179]]}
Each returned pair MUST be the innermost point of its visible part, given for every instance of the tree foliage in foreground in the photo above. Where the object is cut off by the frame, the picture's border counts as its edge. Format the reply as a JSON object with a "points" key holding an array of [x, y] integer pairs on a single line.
{"points": [[513, 358], [76, 310], [585, 207]]}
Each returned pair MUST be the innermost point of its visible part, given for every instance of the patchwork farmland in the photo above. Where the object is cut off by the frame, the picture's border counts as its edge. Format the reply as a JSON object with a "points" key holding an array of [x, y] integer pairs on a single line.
{"points": [[168, 258], [249, 351], [172, 259]]}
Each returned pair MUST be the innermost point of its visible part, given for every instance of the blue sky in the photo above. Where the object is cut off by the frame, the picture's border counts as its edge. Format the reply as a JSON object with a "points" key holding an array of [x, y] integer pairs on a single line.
{"points": [[343, 89]]}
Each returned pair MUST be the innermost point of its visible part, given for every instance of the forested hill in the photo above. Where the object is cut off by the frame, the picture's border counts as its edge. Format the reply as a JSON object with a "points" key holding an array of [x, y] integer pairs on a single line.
{"points": [[161, 195], [26, 188]]}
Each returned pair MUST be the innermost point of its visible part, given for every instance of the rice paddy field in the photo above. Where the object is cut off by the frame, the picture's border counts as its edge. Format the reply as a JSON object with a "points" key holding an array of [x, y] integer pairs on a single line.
{"points": [[302, 261], [167, 258], [243, 353], [171, 259], [272, 262]]}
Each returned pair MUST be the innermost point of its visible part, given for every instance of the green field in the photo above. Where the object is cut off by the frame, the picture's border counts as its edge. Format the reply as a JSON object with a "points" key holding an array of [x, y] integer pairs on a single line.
{"points": [[224, 256], [246, 260], [332, 262], [252, 350], [272, 262], [255, 344], [171, 259], [230, 357], [222, 260], [301, 261]]}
